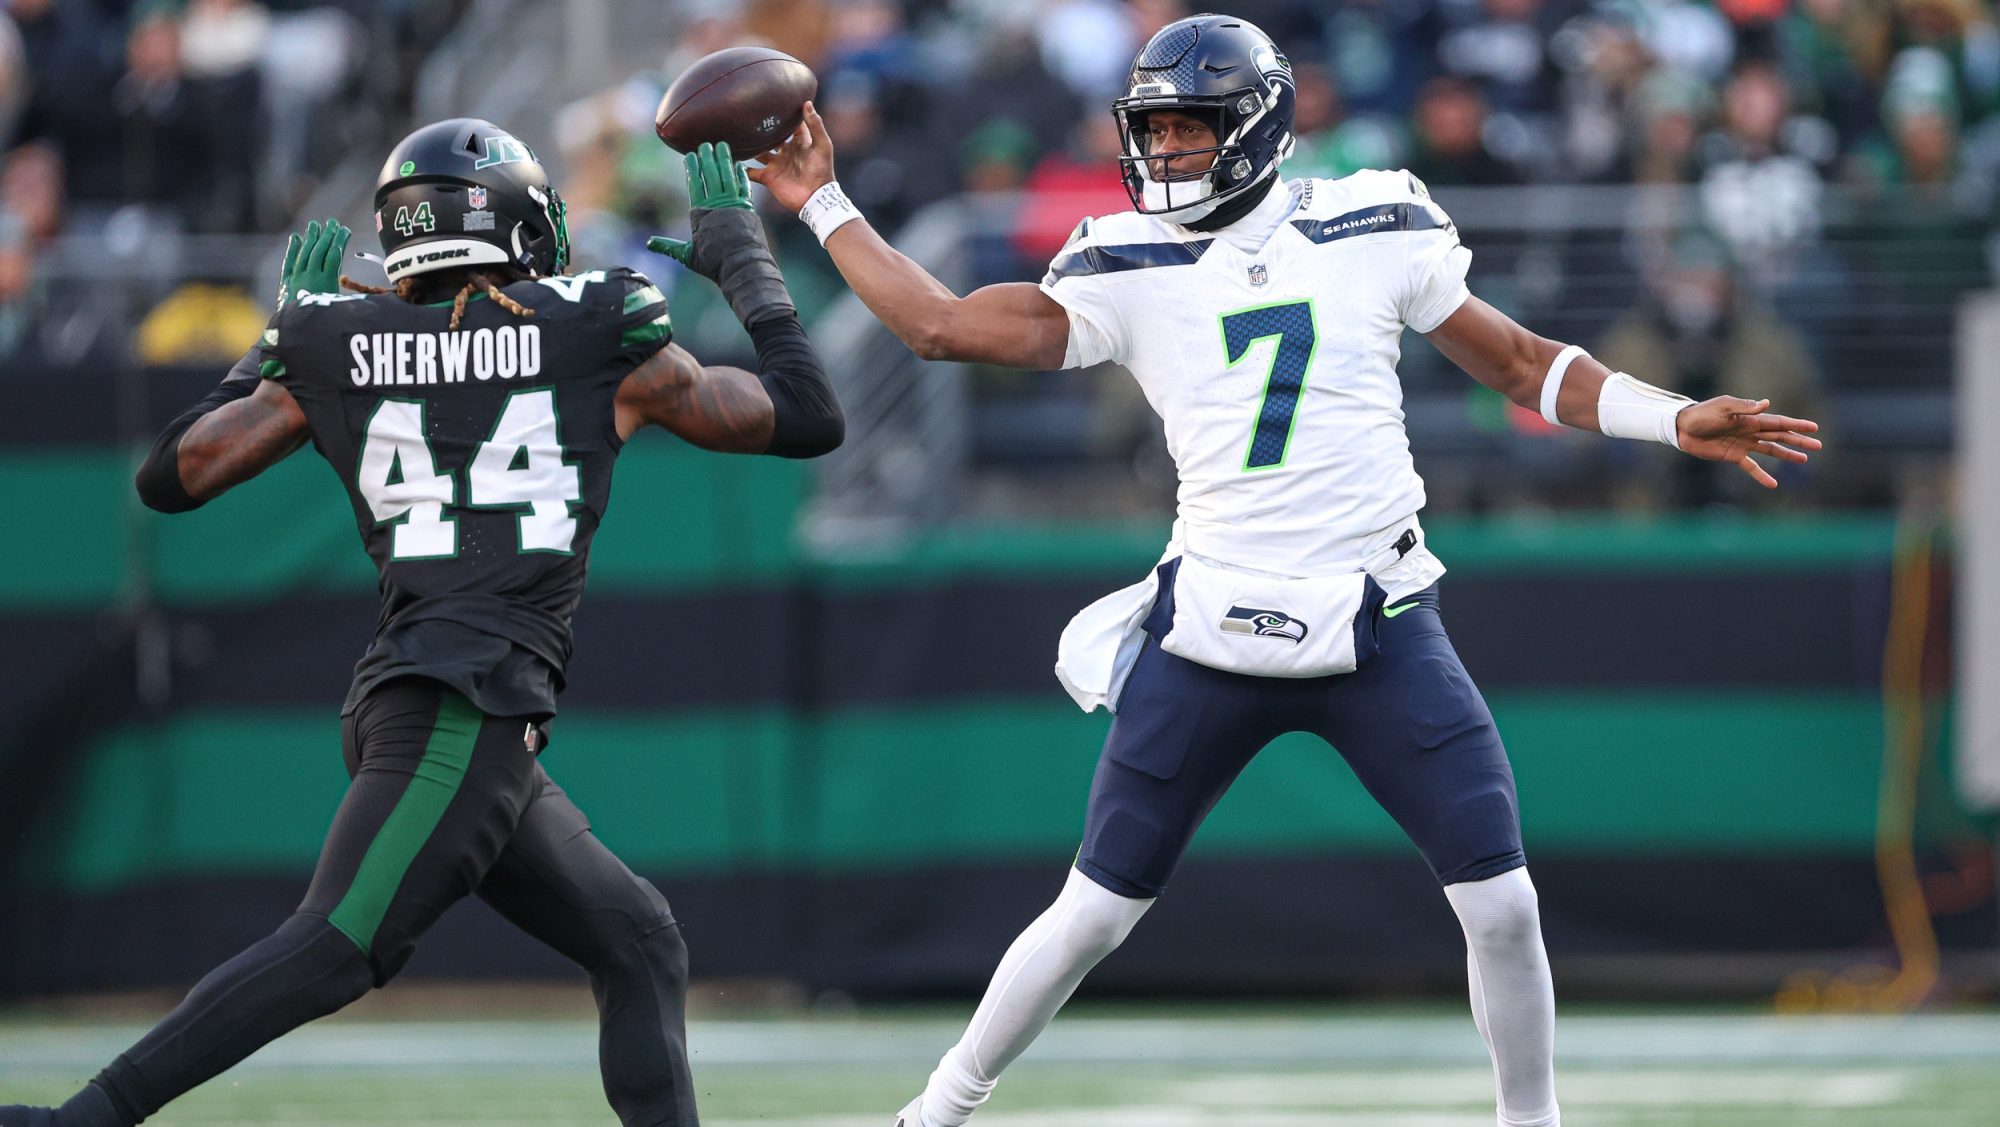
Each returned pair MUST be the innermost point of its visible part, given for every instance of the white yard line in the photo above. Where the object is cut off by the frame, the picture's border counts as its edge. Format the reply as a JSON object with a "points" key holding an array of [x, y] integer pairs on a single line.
{"points": [[1332, 1043]]}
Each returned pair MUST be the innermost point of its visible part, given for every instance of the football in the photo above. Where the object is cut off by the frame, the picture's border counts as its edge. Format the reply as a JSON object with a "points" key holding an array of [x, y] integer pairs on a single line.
{"points": [[751, 97]]}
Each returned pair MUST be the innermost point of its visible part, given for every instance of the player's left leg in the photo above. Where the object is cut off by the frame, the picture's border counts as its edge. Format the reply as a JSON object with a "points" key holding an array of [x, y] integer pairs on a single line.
{"points": [[1421, 740], [557, 882]]}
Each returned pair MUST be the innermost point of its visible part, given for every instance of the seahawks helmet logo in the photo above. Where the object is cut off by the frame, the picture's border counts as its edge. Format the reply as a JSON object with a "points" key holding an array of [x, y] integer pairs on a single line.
{"points": [[1263, 624]]}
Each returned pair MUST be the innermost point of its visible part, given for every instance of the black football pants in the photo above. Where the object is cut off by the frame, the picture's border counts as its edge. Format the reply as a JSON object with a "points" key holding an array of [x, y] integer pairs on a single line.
{"points": [[444, 801]]}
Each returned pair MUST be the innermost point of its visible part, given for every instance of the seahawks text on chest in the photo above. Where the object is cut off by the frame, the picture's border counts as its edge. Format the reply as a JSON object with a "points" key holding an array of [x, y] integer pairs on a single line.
{"points": [[407, 359]]}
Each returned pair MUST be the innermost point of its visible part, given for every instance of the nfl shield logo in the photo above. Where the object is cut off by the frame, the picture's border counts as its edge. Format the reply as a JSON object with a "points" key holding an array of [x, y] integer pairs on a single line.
{"points": [[1258, 275], [475, 198]]}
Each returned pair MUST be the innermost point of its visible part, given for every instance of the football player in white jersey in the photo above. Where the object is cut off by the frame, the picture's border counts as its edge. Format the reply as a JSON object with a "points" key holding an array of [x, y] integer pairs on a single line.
{"points": [[1262, 318]]}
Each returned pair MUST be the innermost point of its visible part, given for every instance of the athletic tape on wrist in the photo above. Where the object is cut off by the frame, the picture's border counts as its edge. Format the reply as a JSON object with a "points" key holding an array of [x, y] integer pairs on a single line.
{"points": [[1552, 383], [827, 210], [1629, 408]]}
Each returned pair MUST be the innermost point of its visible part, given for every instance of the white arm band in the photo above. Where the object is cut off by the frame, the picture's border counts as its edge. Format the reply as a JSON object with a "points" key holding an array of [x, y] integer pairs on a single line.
{"points": [[1552, 383], [1629, 408], [827, 210]]}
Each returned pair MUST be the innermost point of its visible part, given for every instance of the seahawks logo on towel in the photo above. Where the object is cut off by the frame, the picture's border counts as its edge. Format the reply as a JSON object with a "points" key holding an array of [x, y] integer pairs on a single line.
{"points": [[1263, 624]]}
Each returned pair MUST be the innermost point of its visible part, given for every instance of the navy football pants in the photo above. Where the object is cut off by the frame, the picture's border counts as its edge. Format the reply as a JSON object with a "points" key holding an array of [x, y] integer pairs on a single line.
{"points": [[1409, 723]]}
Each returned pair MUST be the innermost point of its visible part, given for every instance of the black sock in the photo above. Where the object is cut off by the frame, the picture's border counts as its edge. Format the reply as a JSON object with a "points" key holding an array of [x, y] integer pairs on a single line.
{"points": [[95, 1107]]}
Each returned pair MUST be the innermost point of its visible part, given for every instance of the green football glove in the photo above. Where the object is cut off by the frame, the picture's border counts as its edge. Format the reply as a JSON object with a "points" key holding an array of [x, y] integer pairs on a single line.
{"points": [[312, 260], [715, 182]]}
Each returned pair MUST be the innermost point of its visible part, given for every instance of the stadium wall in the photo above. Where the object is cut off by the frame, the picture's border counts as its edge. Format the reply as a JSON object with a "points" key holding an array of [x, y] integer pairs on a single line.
{"points": [[862, 776]]}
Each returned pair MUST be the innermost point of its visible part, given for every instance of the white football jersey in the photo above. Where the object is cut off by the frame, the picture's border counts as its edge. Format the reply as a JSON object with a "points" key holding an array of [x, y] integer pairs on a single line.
{"points": [[1269, 351]]}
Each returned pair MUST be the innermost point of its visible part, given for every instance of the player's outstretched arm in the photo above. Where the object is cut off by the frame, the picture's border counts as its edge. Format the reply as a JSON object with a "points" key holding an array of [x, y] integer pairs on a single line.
{"points": [[1014, 325], [788, 408], [1567, 386]]}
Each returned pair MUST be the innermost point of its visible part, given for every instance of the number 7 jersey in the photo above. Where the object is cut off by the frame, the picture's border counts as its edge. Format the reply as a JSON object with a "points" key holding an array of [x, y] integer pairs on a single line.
{"points": [[1273, 365], [478, 463]]}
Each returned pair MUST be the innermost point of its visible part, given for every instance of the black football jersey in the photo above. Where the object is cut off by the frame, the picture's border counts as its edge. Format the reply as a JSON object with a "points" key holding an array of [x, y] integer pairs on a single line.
{"points": [[478, 461]]}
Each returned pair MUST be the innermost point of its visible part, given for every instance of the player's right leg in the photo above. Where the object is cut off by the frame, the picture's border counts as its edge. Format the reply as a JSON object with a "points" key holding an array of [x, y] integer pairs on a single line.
{"points": [[559, 883], [437, 787], [1182, 734]]}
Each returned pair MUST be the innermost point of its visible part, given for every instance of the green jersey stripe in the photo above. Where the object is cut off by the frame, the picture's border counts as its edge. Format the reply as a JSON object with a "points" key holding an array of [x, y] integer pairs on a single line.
{"points": [[410, 823], [640, 298], [660, 328]]}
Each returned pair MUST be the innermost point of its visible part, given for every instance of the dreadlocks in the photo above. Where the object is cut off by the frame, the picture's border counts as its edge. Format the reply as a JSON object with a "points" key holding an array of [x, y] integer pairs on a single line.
{"points": [[411, 289]]}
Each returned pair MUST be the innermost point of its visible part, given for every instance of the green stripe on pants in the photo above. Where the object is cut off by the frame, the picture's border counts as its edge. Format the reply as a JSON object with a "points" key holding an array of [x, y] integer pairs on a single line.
{"points": [[409, 825]]}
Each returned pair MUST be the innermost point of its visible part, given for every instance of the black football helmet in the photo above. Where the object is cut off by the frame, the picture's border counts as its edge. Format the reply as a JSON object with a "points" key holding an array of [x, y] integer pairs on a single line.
{"points": [[465, 192], [1226, 72]]}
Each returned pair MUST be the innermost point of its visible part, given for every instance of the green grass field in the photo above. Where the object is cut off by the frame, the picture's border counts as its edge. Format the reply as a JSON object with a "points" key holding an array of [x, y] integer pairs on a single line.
{"points": [[1343, 1067]]}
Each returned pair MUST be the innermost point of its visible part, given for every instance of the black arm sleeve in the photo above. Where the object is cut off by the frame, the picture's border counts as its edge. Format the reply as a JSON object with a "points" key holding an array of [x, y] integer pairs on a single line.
{"points": [[807, 419], [159, 476]]}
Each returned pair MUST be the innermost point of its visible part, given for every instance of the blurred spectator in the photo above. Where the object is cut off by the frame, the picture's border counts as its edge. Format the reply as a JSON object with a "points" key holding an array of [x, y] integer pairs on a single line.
{"points": [[1381, 52], [165, 139], [20, 201], [1605, 63], [1963, 31], [1920, 114], [31, 200], [1330, 144], [1834, 53], [1089, 45], [1450, 145], [997, 156], [1688, 37], [222, 43], [1070, 184], [13, 80], [1698, 332], [889, 167], [1011, 80], [1757, 188], [1667, 111], [800, 28], [869, 38], [307, 58], [1501, 46]]}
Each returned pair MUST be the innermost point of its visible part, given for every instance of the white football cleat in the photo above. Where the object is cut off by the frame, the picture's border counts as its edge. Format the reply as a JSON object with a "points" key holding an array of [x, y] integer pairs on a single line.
{"points": [[912, 1113]]}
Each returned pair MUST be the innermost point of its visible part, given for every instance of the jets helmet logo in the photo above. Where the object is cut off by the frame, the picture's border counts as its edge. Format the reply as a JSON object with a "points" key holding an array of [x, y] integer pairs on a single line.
{"points": [[1263, 624], [502, 149]]}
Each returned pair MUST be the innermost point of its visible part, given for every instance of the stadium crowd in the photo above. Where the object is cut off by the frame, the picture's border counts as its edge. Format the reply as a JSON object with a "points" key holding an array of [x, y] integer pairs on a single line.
{"points": [[129, 118]]}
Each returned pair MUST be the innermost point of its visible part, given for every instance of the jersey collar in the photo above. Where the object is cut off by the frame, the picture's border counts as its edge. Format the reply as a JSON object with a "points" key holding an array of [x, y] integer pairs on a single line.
{"points": [[1250, 233]]}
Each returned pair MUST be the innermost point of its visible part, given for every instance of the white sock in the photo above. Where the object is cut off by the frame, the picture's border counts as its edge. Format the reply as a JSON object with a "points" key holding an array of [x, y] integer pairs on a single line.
{"points": [[1513, 999], [1035, 977]]}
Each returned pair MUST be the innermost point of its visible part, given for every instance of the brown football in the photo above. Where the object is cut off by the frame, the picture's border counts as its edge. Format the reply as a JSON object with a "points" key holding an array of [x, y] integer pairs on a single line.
{"points": [[751, 97]]}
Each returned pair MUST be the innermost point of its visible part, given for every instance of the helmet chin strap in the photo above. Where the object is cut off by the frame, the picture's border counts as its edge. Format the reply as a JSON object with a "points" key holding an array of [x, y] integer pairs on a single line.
{"points": [[1222, 215]]}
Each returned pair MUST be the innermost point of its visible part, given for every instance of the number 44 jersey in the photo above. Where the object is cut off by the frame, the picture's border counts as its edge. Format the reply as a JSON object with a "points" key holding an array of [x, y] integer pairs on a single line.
{"points": [[478, 461], [1269, 351]]}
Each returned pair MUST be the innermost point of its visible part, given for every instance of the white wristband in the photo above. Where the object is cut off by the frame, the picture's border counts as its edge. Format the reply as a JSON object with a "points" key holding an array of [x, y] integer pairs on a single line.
{"points": [[827, 210], [1629, 408], [1552, 383]]}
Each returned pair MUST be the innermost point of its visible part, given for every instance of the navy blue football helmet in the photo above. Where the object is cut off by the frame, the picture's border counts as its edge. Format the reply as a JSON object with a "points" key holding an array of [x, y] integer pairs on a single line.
{"points": [[1228, 73]]}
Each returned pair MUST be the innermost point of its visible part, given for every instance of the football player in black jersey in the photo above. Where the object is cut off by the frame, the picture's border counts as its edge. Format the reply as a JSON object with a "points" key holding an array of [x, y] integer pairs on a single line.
{"points": [[473, 414]]}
